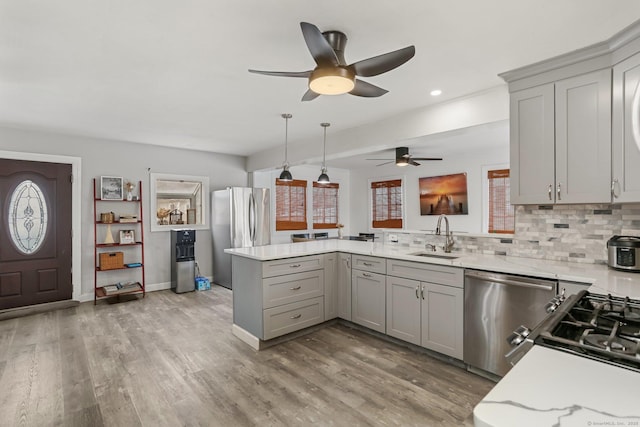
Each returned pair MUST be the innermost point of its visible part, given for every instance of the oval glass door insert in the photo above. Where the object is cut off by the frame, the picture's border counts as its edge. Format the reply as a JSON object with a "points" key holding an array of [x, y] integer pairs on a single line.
{"points": [[27, 219]]}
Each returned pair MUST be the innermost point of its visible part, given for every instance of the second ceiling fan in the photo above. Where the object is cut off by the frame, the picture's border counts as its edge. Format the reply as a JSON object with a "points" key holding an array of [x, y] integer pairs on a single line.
{"points": [[403, 158], [332, 75]]}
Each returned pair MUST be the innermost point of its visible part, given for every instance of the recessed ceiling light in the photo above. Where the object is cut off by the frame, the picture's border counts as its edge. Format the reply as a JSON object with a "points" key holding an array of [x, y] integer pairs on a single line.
{"points": [[436, 92]]}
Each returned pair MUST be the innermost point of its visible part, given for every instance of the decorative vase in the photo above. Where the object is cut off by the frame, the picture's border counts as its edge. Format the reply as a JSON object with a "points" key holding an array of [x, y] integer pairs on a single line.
{"points": [[340, 233], [109, 237], [129, 196]]}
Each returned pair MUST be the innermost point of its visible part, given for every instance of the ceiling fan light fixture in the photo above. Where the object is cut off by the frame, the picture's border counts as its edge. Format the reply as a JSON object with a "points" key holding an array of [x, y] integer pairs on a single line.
{"points": [[285, 175], [332, 81], [402, 162]]}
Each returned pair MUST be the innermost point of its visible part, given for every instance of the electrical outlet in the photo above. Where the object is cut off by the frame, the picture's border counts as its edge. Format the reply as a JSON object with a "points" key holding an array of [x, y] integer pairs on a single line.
{"points": [[393, 238]]}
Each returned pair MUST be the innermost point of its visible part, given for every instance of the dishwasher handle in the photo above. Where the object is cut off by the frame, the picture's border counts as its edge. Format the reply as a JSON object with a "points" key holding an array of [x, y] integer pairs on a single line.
{"points": [[512, 281]]}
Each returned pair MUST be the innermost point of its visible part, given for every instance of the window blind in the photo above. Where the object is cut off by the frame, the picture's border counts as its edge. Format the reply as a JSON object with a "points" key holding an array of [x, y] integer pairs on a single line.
{"points": [[386, 204], [501, 212], [291, 205], [325, 205]]}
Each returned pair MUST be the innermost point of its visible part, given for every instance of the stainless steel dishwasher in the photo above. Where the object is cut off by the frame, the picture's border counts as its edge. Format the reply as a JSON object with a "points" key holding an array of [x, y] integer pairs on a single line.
{"points": [[494, 306]]}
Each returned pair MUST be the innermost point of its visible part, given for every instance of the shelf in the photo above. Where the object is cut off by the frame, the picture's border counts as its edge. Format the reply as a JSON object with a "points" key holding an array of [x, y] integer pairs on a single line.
{"points": [[109, 245], [121, 268], [118, 222], [102, 293], [135, 272]]}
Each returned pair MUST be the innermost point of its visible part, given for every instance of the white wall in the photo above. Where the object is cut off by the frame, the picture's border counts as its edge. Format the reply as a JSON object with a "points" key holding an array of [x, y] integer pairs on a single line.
{"points": [[132, 162], [267, 179], [470, 162]]}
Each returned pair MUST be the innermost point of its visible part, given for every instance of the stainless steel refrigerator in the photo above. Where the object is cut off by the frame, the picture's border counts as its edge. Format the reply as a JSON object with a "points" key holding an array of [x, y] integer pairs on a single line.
{"points": [[239, 219]]}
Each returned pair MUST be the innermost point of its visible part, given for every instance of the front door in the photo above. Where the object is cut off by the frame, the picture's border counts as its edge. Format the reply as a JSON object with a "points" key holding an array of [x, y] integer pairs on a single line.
{"points": [[35, 233]]}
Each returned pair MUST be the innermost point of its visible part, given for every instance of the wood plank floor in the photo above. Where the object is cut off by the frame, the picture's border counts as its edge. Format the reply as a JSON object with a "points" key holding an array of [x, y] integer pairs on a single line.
{"points": [[171, 360]]}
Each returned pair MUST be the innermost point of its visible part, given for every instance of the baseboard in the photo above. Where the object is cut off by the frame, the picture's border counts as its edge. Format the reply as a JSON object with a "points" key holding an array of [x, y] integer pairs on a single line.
{"points": [[246, 337], [36, 309]]}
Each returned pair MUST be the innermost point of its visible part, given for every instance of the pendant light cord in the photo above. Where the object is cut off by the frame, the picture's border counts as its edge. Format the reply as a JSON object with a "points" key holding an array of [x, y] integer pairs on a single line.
{"points": [[286, 117]]}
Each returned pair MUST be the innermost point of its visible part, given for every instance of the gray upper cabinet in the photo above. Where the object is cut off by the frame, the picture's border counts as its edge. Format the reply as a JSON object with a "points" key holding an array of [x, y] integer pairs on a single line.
{"points": [[532, 145], [626, 130], [561, 141]]}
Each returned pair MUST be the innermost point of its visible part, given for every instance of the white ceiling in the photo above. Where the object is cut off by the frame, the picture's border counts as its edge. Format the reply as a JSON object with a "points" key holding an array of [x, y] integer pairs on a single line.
{"points": [[175, 72]]}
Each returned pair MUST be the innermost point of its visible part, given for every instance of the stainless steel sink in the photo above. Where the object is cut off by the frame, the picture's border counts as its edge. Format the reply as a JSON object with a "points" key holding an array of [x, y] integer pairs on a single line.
{"points": [[429, 255]]}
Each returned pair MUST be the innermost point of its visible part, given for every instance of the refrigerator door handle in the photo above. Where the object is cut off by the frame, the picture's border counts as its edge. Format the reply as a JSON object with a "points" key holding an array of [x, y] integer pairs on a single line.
{"points": [[252, 219]]}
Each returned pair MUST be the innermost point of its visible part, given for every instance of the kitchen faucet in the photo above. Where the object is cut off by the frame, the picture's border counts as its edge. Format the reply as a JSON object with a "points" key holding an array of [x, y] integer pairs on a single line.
{"points": [[448, 243]]}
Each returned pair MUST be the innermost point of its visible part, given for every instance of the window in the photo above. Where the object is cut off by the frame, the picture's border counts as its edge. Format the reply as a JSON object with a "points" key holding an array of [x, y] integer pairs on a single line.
{"points": [[501, 212], [183, 194], [325, 205], [386, 204], [291, 205]]}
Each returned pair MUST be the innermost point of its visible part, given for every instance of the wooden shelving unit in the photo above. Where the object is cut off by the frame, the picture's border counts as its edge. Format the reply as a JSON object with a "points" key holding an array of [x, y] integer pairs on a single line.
{"points": [[133, 252]]}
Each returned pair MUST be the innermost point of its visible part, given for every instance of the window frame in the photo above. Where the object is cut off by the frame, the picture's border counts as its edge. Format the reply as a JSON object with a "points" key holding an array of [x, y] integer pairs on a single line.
{"points": [[325, 225], [402, 220], [291, 225]]}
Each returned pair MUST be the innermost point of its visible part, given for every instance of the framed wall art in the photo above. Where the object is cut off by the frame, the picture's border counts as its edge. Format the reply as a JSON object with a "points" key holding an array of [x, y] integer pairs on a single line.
{"points": [[127, 237], [445, 194], [111, 188]]}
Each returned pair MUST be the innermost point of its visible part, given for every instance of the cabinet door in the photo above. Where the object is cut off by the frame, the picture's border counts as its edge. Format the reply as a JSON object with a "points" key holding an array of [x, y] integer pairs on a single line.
{"points": [[368, 295], [626, 130], [403, 309], [442, 319], [344, 286], [532, 145], [583, 138], [330, 286]]}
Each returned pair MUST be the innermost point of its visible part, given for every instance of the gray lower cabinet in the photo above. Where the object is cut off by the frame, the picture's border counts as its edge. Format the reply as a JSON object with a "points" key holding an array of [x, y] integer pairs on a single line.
{"points": [[426, 306], [368, 291], [274, 298], [331, 289], [403, 309], [626, 130], [344, 285]]}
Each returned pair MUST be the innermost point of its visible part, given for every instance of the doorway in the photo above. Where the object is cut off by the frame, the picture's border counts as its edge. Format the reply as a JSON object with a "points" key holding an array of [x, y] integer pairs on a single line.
{"points": [[35, 228]]}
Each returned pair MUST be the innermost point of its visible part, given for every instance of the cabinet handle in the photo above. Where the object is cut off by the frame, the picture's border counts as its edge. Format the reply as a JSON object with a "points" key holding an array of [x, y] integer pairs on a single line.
{"points": [[558, 190], [422, 292], [296, 288], [297, 316], [366, 275], [417, 288], [368, 264], [550, 186], [613, 187], [294, 265]]}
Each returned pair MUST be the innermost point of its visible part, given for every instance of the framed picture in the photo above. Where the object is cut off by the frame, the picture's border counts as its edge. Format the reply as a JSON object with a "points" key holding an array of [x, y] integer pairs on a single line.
{"points": [[127, 237], [445, 194], [111, 188]]}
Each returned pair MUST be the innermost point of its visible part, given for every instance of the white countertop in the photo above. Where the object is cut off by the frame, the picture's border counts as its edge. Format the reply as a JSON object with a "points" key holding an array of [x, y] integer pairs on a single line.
{"points": [[602, 278], [552, 388]]}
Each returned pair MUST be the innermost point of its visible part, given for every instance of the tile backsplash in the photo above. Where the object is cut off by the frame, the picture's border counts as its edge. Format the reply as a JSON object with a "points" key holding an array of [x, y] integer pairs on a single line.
{"points": [[575, 233]]}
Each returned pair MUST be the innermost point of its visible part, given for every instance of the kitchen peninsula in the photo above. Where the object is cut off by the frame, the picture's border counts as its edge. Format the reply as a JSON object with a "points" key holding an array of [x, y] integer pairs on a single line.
{"points": [[535, 404]]}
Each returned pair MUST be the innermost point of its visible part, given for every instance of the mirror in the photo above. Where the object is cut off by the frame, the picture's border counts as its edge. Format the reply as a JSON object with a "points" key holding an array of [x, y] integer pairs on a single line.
{"points": [[178, 201]]}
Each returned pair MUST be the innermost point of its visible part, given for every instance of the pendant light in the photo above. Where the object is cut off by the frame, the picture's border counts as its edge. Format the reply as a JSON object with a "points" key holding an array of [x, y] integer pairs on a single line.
{"points": [[324, 178], [285, 175]]}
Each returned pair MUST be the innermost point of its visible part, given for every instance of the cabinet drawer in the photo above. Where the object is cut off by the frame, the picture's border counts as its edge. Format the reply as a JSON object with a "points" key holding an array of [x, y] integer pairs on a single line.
{"points": [[278, 267], [292, 317], [369, 263], [445, 275], [289, 288]]}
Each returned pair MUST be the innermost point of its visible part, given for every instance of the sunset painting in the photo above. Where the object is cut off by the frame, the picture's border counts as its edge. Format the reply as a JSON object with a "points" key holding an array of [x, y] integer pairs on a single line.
{"points": [[446, 194]]}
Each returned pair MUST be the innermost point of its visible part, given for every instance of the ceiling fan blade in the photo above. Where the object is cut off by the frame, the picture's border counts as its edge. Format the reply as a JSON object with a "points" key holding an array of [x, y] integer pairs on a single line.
{"points": [[305, 74], [385, 163], [310, 95], [383, 63], [413, 162], [426, 158], [367, 90], [319, 47], [379, 159]]}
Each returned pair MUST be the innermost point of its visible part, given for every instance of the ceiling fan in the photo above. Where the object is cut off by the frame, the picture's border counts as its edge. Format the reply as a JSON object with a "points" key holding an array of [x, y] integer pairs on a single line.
{"points": [[332, 75], [403, 158]]}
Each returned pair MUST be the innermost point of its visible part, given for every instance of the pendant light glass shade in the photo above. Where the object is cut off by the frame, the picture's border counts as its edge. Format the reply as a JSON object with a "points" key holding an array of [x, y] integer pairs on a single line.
{"points": [[324, 178], [285, 175]]}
